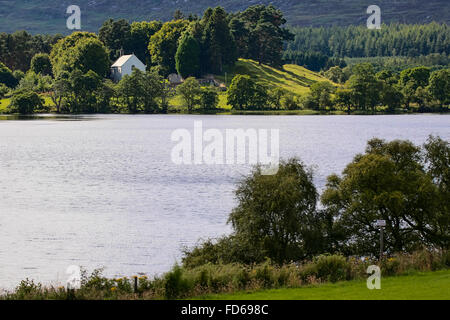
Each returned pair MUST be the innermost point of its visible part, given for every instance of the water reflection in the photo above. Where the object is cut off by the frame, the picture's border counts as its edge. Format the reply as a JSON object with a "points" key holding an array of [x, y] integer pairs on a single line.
{"points": [[54, 117]]}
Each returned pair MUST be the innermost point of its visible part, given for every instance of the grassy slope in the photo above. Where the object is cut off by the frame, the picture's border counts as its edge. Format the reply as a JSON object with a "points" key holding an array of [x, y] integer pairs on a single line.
{"points": [[48, 16], [3, 104], [292, 78], [429, 285]]}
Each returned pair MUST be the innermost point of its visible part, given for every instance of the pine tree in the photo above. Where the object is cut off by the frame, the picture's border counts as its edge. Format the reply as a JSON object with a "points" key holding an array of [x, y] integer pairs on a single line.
{"points": [[187, 58]]}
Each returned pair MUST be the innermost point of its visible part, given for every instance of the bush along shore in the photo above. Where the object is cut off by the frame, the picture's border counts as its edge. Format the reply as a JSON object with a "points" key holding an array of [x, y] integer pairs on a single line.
{"points": [[184, 283]]}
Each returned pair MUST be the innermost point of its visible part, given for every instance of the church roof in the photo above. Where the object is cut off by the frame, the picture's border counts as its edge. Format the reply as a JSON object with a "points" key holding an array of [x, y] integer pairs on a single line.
{"points": [[122, 60]]}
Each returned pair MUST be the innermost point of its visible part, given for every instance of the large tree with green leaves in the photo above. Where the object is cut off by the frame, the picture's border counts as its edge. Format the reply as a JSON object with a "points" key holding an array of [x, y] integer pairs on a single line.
{"points": [[411, 79], [439, 86], [140, 91], [365, 86], [7, 77], [80, 51], [190, 90], [164, 44], [259, 30], [141, 32], [187, 58], [244, 93], [41, 64], [276, 214], [218, 41], [390, 182], [116, 35]]}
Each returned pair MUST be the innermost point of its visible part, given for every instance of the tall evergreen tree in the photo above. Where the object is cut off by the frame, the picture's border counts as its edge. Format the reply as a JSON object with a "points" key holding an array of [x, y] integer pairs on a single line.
{"points": [[218, 41], [187, 58]]}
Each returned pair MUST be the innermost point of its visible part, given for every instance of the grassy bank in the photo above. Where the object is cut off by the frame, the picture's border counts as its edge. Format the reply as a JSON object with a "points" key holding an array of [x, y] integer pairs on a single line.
{"points": [[419, 286], [332, 276]]}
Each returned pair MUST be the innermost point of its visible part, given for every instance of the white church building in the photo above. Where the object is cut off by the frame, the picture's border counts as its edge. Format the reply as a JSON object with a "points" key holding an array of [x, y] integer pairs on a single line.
{"points": [[125, 65]]}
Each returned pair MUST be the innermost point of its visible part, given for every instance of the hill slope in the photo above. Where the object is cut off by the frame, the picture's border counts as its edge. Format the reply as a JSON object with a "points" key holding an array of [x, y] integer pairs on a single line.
{"points": [[48, 16], [292, 78]]}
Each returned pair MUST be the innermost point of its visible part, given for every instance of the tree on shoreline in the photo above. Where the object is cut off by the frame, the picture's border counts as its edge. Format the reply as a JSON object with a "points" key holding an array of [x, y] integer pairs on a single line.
{"points": [[277, 216]]}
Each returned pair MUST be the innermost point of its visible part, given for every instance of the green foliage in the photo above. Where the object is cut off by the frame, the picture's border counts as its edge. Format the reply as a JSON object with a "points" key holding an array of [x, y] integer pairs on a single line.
{"points": [[273, 211], [218, 41], [321, 94], [18, 49], [4, 90], [336, 74], [140, 91], [41, 64], [164, 44], [244, 93], [115, 35], [35, 82], [260, 34], [209, 99], [80, 51], [289, 102], [60, 54], [327, 268], [25, 102], [440, 86], [390, 40], [418, 77], [391, 182], [187, 58], [141, 32], [6, 76], [365, 86], [189, 91], [184, 282], [434, 61], [315, 61], [344, 98], [175, 284], [90, 55]]}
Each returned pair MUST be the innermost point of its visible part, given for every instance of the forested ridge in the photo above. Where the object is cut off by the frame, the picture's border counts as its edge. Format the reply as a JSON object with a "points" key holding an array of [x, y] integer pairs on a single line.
{"points": [[358, 41], [48, 16]]}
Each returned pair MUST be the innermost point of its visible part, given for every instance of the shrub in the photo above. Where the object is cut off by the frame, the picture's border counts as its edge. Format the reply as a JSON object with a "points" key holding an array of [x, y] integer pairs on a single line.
{"points": [[289, 102], [27, 289], [331, 268], [25, 102], [175, 285], [209, 99]]}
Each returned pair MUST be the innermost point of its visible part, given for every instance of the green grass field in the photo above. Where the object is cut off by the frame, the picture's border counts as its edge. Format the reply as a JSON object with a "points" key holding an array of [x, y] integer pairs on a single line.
{"points": [[3, 104], [292, 78], [427, 286]]}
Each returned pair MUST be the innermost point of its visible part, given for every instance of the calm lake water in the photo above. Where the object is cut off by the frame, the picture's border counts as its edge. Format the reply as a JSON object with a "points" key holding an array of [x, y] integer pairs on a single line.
{"points": [[102, 190]]}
